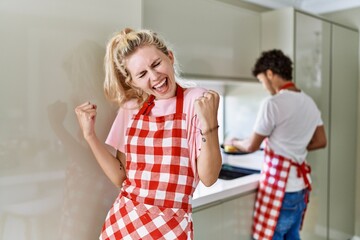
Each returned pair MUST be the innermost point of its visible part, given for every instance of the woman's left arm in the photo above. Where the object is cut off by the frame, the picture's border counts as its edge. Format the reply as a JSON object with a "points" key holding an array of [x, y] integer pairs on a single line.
{"points": [[209, 161]]}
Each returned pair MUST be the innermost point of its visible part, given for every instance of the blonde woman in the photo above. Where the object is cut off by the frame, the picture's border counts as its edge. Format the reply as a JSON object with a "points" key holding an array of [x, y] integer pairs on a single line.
{"points": [[165, 136]]}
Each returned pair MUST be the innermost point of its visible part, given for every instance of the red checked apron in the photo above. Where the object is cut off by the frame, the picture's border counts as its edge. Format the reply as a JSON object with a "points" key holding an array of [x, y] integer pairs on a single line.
{"points": [[155, 201], [271, 192]]}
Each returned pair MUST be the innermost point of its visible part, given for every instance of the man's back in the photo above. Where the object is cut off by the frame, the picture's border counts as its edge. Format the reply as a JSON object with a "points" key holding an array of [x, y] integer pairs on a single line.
{"points": [[289, 118]]}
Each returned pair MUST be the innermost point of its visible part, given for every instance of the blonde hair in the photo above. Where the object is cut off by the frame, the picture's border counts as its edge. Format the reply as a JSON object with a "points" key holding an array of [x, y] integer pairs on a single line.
{"points": [[117, 84]]}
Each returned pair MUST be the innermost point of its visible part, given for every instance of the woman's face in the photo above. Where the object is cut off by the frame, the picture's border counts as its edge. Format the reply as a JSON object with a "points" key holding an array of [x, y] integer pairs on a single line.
{"points": [[152, 71]]}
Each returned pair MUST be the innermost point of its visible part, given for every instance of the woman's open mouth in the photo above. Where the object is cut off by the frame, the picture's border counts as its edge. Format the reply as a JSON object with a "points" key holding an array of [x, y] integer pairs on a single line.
{"points": [[162, 86]]}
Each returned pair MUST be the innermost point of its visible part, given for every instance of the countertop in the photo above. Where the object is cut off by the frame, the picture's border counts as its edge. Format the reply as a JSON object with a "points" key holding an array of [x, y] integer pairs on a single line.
{"points": [[223, 189]]}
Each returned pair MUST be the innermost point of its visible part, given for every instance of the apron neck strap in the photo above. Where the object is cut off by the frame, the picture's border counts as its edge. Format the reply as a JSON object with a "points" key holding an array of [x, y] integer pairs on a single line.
{"points": [[179, 98], [150, 103], [287, 85], [147, 106]]}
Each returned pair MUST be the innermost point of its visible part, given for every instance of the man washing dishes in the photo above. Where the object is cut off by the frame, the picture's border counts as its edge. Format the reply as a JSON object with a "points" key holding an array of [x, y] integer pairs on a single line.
{"points": [[291, 125]]}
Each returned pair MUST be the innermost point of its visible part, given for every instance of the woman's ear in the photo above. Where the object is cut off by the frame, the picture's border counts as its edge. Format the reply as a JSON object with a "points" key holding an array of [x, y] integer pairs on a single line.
{"points": [[171, 56]]}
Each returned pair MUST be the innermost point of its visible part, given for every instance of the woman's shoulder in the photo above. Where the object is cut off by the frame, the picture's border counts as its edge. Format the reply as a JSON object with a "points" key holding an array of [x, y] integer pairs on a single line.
{"points": [[130, 104], [129, 107], [194, 92]]}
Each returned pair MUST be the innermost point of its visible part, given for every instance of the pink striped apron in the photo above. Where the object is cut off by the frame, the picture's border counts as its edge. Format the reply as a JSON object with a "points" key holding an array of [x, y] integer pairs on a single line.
{"points": [[155, 200]]}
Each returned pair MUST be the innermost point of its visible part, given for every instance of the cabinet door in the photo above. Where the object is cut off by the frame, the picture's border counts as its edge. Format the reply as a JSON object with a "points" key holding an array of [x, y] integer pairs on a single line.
{"points": [[229, 220], [237, 217], [344, 91], [277, 30], [210, 38], [208, 223], [312, 75]]}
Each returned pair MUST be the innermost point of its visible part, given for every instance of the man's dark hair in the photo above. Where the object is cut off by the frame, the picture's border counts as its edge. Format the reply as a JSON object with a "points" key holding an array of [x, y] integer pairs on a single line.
{"points": [[276, 61]]}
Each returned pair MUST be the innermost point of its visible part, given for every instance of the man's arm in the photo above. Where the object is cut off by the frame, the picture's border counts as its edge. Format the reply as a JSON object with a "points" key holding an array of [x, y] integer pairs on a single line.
{"points": [[318, 140], [251, 144]]}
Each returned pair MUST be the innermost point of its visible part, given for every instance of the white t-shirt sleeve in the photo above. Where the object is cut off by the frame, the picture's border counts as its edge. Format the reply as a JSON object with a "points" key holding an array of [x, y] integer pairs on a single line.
{"points": [[265, 120], [320, 121]]}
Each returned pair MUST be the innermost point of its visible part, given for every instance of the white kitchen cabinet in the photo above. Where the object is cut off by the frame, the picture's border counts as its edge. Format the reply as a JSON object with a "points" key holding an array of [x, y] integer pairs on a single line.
{"points": [[229, 219], [325, 58], [208, 223], [312, 75], [210, 38], [237, 216], [343, 122]]}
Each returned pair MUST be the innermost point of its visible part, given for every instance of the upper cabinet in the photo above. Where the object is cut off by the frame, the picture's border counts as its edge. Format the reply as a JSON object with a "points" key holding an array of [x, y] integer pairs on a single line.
{"points": [[210, 38], [278, 31]]}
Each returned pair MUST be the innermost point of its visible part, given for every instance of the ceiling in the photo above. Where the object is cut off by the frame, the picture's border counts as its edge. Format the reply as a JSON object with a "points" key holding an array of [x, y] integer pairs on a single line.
{"points": [[311, 6]]}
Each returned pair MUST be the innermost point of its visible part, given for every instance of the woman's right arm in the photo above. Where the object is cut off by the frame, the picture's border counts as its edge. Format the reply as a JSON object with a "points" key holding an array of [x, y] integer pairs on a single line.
{"points": [[111, 165]]}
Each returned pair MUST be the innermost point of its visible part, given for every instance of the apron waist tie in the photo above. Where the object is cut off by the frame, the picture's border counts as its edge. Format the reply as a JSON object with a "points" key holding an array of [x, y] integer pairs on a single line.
{"points": [[302, 171]]}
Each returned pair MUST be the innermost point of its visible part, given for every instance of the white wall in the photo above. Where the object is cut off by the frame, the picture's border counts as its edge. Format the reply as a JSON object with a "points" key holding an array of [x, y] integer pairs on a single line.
{"points": [[51, 60], [352, 18]]}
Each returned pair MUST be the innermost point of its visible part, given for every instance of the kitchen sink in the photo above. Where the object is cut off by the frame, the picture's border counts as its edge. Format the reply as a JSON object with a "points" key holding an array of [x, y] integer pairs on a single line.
{"points": [[229, 172]]}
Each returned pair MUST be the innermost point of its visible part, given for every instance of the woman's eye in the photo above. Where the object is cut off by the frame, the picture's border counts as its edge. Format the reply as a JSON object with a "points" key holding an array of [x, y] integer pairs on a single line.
{"points": [[142, 74], [156, 64]]}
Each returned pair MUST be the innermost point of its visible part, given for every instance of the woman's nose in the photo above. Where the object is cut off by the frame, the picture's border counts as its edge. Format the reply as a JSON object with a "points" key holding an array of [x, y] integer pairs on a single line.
{"points": [[153, 75]]}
